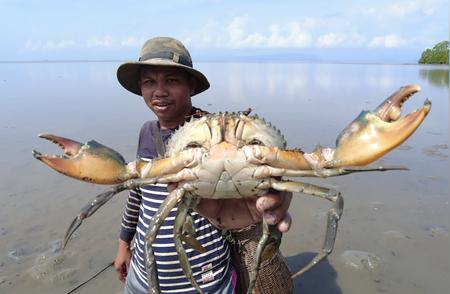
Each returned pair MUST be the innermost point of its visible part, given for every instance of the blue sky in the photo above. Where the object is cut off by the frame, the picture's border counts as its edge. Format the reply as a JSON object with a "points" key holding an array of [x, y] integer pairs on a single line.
{"points": [[342, 31]]}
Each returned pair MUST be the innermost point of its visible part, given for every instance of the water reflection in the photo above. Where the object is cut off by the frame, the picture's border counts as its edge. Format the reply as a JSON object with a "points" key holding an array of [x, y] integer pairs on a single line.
{"points": [[436, 77]]}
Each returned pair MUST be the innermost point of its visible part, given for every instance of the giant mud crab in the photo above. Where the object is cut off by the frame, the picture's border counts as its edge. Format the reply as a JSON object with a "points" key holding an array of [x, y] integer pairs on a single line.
{"points": [[234, 155]]}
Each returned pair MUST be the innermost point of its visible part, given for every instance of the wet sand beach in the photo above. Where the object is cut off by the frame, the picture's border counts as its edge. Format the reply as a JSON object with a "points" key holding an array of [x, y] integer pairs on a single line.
{"points": [[394, 232]]}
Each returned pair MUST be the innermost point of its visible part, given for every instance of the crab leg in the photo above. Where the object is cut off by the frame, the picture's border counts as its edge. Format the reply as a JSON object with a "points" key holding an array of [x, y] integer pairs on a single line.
{"points": [[265, 171], [180, 221], [157, 220], [333, 215], [188, 234], [99, 201], [269, 241], [168, 166]]}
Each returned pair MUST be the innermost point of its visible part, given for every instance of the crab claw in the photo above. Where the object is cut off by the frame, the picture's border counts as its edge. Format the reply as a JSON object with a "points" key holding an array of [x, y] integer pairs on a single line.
{"points": [[90, 162], [373, 134]]}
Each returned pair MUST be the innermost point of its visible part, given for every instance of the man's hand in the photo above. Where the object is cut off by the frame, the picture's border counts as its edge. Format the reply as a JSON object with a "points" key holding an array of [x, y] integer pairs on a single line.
{"points": [[122, 260], [240, 213]]}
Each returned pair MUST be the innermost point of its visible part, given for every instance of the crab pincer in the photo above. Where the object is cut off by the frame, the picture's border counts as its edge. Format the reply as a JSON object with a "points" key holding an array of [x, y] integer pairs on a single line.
{"points": [[373, 133], [90, 162]]}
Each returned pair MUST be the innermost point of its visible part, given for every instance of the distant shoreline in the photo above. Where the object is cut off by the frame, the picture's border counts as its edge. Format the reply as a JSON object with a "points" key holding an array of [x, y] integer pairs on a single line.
{"points": [[58, 61], [231, 60]]}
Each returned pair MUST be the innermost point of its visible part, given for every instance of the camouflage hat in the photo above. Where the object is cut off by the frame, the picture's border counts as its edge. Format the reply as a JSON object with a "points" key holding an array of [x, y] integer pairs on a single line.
{"points": [[160, 51]]}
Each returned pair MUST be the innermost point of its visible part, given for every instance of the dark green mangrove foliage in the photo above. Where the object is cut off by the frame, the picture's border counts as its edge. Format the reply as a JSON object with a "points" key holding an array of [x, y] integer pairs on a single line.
{"points": [[437, 55]]}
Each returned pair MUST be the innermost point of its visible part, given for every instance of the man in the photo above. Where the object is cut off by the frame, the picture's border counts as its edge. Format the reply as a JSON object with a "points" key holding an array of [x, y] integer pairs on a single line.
{"points": [[166, 80]]}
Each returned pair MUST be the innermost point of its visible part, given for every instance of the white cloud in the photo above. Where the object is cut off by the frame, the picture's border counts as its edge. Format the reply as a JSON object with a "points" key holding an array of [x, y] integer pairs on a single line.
{"points": [[254, 40], [310, 23], [426, 7], [48, 45], [330, 40], [308, 32], [132, 42], [403, 9], [278, 36], [32, 45], [410, 8], [365, 10], [387, 41], [339, 39], [236, 32], [292, 35], [105, 41], [210, 34], [111, 42], [59, 44], [381, 24], [429, 11]]}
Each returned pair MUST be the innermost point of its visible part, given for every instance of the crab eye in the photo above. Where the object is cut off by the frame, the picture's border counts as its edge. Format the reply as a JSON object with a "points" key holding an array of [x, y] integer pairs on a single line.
{"points": [[193, 145], [256, 142]]}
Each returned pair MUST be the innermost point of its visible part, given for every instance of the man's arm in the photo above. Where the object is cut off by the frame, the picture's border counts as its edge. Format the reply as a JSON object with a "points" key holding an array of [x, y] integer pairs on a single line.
{"points": [[128, 229]]}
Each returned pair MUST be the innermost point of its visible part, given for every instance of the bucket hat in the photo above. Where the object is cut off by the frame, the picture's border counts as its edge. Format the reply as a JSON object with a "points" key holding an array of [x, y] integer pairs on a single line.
{"points": [[160, 51]]}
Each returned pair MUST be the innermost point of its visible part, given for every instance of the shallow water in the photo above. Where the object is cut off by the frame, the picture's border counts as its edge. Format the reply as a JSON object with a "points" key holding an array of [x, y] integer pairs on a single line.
{"points": [[401, 218]]}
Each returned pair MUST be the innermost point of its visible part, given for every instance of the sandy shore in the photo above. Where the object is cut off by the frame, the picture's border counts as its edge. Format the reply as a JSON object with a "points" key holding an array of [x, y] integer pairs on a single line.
{"points": [[393, 236], [399, 218]]}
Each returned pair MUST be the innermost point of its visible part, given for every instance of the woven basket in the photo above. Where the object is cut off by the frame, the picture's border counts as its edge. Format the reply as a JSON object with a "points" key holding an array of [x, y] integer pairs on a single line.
{"points": [[273, 276]]}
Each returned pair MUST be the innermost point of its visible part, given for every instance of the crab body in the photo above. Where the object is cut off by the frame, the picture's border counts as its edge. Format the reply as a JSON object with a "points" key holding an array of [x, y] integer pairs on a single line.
{"points": [[221, 166], [234, 155]]}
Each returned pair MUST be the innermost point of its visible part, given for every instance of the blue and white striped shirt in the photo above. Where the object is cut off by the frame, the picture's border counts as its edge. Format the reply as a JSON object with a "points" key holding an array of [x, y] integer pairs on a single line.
{"points": [[211, 269]]}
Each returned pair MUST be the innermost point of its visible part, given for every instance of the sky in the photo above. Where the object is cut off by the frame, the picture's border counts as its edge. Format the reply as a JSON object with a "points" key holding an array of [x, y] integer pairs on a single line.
{"points": [[380, 31]]}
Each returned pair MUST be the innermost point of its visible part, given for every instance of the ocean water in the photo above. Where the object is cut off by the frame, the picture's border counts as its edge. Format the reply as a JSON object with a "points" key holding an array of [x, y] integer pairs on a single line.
{"points": [[394, 233]]}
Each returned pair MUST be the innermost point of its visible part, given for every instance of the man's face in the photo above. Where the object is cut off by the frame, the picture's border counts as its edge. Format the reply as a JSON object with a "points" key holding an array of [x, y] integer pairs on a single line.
{"points": [[167, 91]]}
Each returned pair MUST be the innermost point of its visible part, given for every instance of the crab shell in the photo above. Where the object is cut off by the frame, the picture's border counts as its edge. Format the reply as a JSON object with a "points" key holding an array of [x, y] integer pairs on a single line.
{"points": [[222, 167]]}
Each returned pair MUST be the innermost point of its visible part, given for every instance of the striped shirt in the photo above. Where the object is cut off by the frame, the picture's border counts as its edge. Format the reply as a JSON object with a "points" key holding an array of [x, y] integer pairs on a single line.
{"points": [[211, 269]]}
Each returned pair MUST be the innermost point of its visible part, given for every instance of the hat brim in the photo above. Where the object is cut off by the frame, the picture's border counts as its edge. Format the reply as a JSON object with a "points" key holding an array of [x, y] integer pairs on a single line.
{"points": [[129, 73]]}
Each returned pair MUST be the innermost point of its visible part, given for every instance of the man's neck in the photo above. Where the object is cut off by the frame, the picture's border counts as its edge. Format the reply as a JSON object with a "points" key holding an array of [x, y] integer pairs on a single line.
{"points": [[169, 125], [175, 123]]}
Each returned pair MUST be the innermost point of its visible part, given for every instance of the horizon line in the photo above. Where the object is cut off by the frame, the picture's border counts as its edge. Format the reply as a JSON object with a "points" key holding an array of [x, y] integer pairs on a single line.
{"points": [[217, 60]]}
